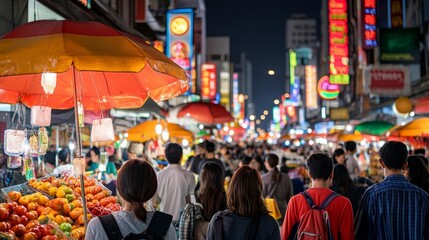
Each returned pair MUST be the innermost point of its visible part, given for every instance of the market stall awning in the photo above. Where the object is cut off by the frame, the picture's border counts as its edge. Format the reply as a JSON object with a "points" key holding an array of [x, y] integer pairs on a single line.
{"points": [[416, 128], [146, 131], [376, 128]]}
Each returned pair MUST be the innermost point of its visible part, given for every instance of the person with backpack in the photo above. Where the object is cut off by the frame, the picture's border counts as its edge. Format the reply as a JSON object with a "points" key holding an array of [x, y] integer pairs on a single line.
{"points": [[210, 199], [246, 217], [137, 184], [319, 211]]}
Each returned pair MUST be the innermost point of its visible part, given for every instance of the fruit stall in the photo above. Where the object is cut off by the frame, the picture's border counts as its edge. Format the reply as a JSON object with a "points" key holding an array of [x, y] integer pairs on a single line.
{"points": [[51, 208]]}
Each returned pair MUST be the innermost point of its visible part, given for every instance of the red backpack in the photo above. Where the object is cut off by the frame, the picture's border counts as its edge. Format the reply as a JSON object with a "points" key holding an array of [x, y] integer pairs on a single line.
{"points": [[315, 224]]}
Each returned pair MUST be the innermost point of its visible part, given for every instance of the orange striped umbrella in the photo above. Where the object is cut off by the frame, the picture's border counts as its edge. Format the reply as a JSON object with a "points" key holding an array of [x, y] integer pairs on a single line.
{"points": [[109, 68]]}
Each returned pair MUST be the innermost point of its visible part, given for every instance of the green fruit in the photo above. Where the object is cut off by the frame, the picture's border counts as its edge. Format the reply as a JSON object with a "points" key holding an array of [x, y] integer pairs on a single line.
{"points": [[65, 227], [70, 197]]}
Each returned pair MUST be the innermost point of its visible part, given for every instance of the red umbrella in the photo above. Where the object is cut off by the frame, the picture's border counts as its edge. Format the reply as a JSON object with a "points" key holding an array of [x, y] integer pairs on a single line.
{"points": [[206, 113]]}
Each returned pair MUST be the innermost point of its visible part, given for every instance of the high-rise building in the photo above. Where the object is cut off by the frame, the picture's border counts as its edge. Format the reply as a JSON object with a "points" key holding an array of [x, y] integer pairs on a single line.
{"points": [[301, 32]]}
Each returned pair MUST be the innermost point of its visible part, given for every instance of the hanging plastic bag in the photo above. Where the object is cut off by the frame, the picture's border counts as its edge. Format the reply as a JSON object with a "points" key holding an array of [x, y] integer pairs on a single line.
{"points": [[28, 169], [14, 142], [43, 141], [102, 130], [34, 145], [40, 116]]}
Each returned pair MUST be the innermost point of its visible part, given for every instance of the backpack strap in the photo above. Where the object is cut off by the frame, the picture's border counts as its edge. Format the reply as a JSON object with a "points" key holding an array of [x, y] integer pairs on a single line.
{"points": [[328, 200], [111, 227], [309, 199], [159, 225]]}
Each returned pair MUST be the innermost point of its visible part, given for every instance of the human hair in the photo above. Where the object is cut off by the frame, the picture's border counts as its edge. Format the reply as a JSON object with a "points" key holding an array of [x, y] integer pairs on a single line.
{"points": [[212, 193], [259, 160], [245, 160], [62, 155], [210, 147], [173, 153], [421, 151], [418, 173], [394, 155], [338, 152], [273, 161], [342, 180], [96, 150], [320, 166], [350, 146], [244, 196], [137, 184]]}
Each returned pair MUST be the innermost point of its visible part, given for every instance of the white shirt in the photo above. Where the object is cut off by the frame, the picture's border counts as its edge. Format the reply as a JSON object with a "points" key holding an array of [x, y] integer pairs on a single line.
{"points": [[174, 184], [63, 169]]}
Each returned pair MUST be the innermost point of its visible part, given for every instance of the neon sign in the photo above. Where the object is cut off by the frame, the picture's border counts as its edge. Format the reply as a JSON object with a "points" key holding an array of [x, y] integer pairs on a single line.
{"points": [[369, 24], [208, 81], [326, 90], [338, 42]]}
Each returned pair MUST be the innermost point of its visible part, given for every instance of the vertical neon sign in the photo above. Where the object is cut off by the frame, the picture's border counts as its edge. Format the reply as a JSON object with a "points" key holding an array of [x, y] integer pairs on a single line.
{"points": [[369, 24], [338, 42]]}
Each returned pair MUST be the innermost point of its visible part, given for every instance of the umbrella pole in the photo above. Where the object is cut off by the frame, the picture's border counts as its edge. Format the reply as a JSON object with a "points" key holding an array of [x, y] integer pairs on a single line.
{"points": [[79, 147]]}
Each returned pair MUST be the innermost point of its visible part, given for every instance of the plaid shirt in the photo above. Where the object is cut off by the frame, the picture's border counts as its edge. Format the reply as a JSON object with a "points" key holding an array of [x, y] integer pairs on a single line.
{"points": [[191, 214], [393, 209]]}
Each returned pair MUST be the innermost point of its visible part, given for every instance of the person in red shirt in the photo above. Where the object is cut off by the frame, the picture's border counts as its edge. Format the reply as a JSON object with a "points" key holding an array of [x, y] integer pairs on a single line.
{"points": [[340, 210]]}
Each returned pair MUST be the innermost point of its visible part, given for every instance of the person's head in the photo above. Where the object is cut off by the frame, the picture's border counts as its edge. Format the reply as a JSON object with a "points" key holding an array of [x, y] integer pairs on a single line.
{"points": [[212, 192], [350, 146], [341, 178], [244, 196], [256, 163], [339, 156], [136, 183], [173, 153], [245, 161], [420, 151], [393, 155], [95, 154], [320, 166], [210, 147], [63, 156], [271, 161], [200, 149], [417, 172]]}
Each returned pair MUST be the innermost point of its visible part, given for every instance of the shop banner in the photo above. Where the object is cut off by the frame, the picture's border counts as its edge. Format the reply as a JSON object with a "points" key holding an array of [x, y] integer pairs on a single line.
{"points": [[396, 14], [387, 81], [208, 81], [311, 87], [369, 18], [400, 45]]}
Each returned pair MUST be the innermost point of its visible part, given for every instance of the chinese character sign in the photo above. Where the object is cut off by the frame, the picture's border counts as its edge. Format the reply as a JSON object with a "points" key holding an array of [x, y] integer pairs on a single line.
{"points": [[208, 81], [369, 24], [338, 42]]}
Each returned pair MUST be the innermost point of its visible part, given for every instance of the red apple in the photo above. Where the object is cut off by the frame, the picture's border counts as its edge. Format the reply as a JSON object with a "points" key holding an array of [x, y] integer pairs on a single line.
{"points": [[20, 210], [32, 215], [4, 226], [4, 213], [32, 224], [43, 230], [9, 207], [36, 230], [19, 230], [50, 237], [24, 220], [14, 220]]}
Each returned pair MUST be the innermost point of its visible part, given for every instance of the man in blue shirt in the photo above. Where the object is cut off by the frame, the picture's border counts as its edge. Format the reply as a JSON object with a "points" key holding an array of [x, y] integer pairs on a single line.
{"points": [[393, 209]]}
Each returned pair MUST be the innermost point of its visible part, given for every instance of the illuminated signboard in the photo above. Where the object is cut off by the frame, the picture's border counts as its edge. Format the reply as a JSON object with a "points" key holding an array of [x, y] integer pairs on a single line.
{"points": [[276, 114], [369, 24], [338, 43], [310, 86], [208, 81], [179, 39], [236, 104], [326, 90], [396, 14], [292, 65], [224, 89]]}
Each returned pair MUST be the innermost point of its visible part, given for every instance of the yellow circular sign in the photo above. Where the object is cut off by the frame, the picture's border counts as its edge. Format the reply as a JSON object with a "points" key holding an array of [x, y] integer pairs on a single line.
{"points": [[179, 25]]}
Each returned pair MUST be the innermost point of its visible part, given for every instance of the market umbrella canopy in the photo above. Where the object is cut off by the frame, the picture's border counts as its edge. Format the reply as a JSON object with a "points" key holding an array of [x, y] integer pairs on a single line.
{"points": [[146, 131], [415, 128], [205, 112], [374, 127], [109, 68]]}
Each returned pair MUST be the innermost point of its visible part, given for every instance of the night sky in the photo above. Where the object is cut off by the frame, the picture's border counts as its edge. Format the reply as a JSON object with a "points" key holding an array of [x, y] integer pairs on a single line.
{"points": [[258, 28]]}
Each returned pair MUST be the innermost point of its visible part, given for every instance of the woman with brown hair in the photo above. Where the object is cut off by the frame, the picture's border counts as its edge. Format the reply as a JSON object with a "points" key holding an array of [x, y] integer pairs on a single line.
{"points": [[276, 185], [247, 216], [136, 184]]}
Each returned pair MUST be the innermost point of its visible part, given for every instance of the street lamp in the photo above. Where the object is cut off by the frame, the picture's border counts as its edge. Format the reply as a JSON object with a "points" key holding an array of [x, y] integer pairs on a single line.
{"points": [[271, 72]]}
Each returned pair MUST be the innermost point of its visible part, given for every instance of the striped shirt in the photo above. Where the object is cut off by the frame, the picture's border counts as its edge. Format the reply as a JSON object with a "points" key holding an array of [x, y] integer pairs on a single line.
{"points": [[393, 209]]}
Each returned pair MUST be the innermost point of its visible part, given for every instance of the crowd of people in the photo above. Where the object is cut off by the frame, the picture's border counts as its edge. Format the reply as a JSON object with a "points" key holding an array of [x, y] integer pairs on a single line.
{"points": [[203, 207], [221, 192]]}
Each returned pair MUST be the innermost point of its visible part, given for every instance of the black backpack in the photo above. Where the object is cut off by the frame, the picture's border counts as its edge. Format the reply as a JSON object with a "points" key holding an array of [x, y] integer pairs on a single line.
{"points": [[156, 230]]}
